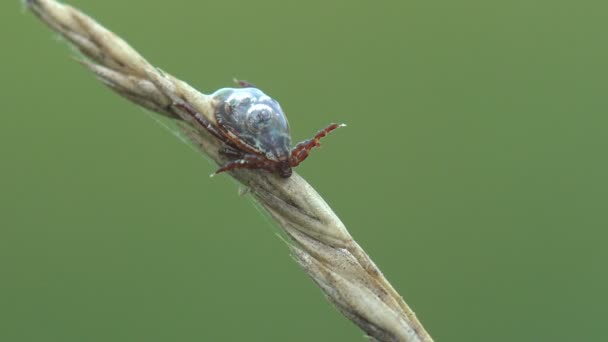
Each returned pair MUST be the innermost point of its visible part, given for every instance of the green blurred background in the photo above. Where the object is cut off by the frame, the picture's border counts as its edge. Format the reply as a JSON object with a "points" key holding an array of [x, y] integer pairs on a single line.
{"points": [[473, 171]]}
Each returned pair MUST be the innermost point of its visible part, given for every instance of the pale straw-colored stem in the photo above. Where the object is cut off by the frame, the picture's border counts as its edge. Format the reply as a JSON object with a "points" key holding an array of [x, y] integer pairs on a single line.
{"points": [[317, 238]]}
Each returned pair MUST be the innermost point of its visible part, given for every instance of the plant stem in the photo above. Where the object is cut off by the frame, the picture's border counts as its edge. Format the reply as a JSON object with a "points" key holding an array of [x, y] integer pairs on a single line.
{"points": [[319, 241]]}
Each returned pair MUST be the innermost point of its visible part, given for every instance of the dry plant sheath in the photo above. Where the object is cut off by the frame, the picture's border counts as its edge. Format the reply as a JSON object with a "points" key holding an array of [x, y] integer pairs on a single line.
{"points": [[318, 239]]}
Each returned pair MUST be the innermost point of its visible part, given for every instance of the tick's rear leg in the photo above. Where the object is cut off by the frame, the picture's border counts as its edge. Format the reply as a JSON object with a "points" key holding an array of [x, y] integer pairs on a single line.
{"points": [[248, 161], [201, 120], [302, 150], [244, 84]]}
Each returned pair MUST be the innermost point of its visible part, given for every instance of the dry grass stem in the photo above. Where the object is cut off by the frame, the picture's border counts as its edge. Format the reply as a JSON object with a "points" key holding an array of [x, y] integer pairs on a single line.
{"points": [[319, 241]]}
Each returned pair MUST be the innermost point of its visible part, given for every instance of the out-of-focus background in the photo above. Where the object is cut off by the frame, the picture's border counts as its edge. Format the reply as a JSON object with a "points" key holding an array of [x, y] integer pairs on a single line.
{"points": [[473, 170]]}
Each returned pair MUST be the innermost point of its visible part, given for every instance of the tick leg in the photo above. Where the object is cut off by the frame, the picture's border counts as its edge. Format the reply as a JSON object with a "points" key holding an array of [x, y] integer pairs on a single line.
{"points": [[201, 120], [302, 150], [232, 152], [244, 84], [248, 161]]}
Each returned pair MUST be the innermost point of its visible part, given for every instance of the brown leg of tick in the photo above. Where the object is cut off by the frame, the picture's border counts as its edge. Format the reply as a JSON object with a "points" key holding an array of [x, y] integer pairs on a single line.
{"points": [[232, 152], [244, 84], [302, 150], [248, 161], [201, 120]]}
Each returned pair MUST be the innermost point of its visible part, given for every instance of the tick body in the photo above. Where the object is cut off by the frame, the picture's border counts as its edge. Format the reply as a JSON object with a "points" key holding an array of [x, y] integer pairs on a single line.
{"points": [[254, 130]]}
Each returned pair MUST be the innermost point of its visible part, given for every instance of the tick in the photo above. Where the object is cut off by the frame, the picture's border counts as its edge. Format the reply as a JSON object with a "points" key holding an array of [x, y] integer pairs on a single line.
{"points": [[254, 131]]}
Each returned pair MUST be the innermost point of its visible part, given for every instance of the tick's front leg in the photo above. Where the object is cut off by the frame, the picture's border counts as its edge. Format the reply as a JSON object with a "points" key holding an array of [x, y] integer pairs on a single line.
{"points": [[302, 150], [248, 161]]}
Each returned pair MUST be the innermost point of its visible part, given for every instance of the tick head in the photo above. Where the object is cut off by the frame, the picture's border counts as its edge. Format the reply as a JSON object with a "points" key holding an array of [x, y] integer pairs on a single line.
{"points": [[284, 169]]}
